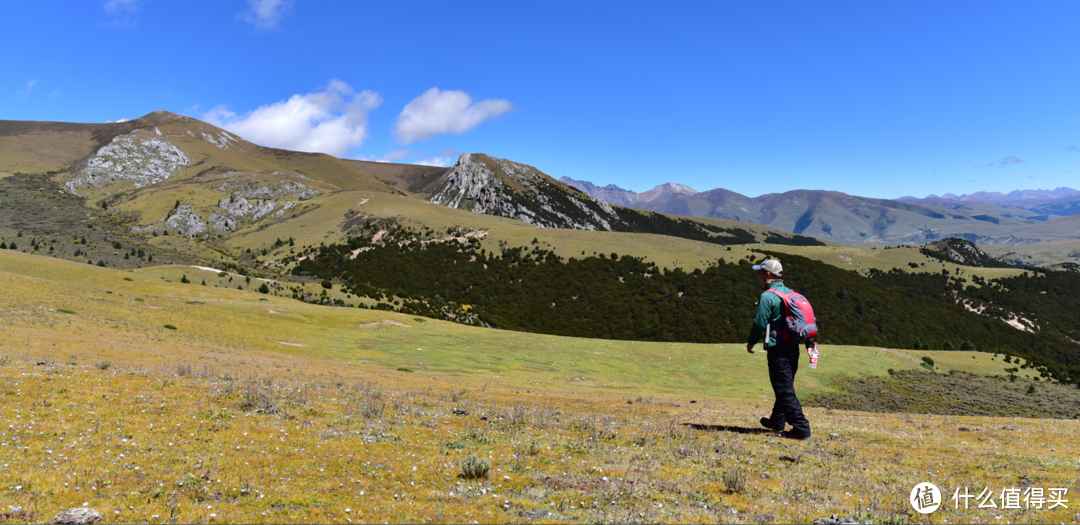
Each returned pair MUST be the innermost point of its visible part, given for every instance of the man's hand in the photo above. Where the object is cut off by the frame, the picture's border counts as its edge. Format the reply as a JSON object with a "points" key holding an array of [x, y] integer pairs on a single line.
{"points": [[750, 347]]}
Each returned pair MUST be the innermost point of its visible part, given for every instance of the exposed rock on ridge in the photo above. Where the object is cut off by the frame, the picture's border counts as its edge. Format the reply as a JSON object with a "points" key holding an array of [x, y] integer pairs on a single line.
{"points": [[962, 251], [143, 161], [483, 184]]}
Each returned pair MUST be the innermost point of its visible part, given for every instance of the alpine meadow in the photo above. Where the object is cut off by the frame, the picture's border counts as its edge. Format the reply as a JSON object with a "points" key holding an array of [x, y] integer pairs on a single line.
{"points": [[520, 309]]}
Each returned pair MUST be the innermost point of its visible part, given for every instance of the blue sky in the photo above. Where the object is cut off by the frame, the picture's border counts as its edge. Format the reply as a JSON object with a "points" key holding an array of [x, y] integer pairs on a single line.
{"points": [[879, 99]]}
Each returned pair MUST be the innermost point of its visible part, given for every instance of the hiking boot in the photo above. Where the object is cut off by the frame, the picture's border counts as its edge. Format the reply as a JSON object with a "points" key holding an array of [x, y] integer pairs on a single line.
{"points": [[768, 423], [793, 435]]}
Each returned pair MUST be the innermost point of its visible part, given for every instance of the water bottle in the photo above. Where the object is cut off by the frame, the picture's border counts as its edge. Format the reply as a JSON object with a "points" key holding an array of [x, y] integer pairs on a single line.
{"points": [[811, 348]]}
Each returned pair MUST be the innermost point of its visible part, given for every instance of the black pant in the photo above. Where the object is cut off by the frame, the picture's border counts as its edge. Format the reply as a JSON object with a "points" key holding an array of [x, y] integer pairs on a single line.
{"points": [[783, 364]]}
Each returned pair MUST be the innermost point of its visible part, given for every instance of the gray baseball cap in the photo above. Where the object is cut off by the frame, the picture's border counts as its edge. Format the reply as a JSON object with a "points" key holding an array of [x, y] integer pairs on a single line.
{"points": [[770, 265]]}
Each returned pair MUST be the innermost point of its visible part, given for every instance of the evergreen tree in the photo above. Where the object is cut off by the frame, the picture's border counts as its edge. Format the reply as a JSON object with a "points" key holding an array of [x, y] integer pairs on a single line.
{"points": [[947, 345], [970, 347], [184, 279]]}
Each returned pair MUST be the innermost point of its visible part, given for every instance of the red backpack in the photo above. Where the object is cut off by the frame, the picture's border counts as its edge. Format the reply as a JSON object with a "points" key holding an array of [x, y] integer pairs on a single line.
{"points": [[799, 317]]}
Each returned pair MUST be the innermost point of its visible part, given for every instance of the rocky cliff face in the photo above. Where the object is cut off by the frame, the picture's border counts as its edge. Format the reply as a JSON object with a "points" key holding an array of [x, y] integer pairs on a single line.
{"points": [[483, 184], [130, 158], [962, 251]]}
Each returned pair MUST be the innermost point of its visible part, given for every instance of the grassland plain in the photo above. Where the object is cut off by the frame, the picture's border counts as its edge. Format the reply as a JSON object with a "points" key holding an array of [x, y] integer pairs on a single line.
{"points": [[258, 408]]}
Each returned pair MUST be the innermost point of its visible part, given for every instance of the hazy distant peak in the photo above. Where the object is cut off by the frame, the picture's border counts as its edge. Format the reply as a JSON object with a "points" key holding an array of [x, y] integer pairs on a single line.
{"points": [[676, 188], [611, 193], [995, 197]]}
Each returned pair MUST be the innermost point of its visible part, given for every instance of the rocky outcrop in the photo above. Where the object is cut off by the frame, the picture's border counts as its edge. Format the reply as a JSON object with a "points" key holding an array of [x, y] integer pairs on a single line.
{"points": [[186, 222], [222, 222], [483, 184], [263, 209], [269, 190], [962, 251], [236, 205], [222, 139], [142, 161]]}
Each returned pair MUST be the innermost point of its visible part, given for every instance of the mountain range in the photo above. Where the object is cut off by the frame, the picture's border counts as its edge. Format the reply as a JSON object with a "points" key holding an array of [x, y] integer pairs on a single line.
{"points": [[166, 172], [167, 175], [995, 197], [1027, 216]]}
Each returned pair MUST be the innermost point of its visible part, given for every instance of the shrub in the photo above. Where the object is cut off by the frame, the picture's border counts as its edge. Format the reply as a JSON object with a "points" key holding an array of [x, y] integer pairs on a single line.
{"points": [[65, 311], [170, 327], [403, 369], [327, 284], [102, 365], [734, 481], [264, 288], [928, 360], [222, 274], [473, 467], [1031, 388]]}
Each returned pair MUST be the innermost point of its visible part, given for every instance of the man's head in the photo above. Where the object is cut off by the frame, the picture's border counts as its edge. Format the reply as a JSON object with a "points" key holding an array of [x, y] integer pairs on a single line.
{"points": [[768, 271]]}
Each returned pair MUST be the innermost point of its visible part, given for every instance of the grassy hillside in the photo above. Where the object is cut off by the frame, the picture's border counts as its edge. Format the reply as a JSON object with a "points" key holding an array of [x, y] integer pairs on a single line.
{"points": [[865, 257], [274, 410], [1043, 254]]}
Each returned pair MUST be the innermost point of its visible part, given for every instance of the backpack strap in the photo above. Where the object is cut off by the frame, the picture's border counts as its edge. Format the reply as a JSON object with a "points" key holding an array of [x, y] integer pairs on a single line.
{"points": [[785, 300]]}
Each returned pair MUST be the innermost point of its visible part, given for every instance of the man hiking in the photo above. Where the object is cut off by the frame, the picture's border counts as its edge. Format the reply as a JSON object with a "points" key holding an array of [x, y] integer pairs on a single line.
{"points": [[783, 356]]}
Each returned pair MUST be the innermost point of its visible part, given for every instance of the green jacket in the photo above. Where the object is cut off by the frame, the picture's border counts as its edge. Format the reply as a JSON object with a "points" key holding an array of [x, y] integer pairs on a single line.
{"points": [[770, 313]]}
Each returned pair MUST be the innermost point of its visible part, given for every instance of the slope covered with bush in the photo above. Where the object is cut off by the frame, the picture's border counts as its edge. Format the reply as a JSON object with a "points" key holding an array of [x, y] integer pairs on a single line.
{"points": [[628, 298]]}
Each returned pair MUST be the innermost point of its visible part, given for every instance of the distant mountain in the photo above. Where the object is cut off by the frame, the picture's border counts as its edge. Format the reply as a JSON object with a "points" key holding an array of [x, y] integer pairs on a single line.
{"points": [[610, 193], [994, 197], [846, 218]]}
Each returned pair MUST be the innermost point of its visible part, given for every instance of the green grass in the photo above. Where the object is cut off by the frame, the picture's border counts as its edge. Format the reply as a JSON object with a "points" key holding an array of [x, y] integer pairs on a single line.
{"points": [[281, 411], [865, 256], [362, 339]]}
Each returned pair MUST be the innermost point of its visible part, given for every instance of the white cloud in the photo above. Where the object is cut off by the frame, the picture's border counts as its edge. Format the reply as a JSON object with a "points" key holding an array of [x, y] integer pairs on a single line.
{"points": [[437, 112], [265, 14], [435, 161], [331, 121], [121, 12], [29, 87]]}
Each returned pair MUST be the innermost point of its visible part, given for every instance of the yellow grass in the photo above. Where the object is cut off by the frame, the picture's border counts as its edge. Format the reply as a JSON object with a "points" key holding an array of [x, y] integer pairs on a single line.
{"points": [[263, 409]]}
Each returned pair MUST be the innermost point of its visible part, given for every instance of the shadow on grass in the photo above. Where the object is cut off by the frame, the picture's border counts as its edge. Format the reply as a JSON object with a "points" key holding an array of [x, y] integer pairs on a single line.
{"points": [[728, 428]]}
